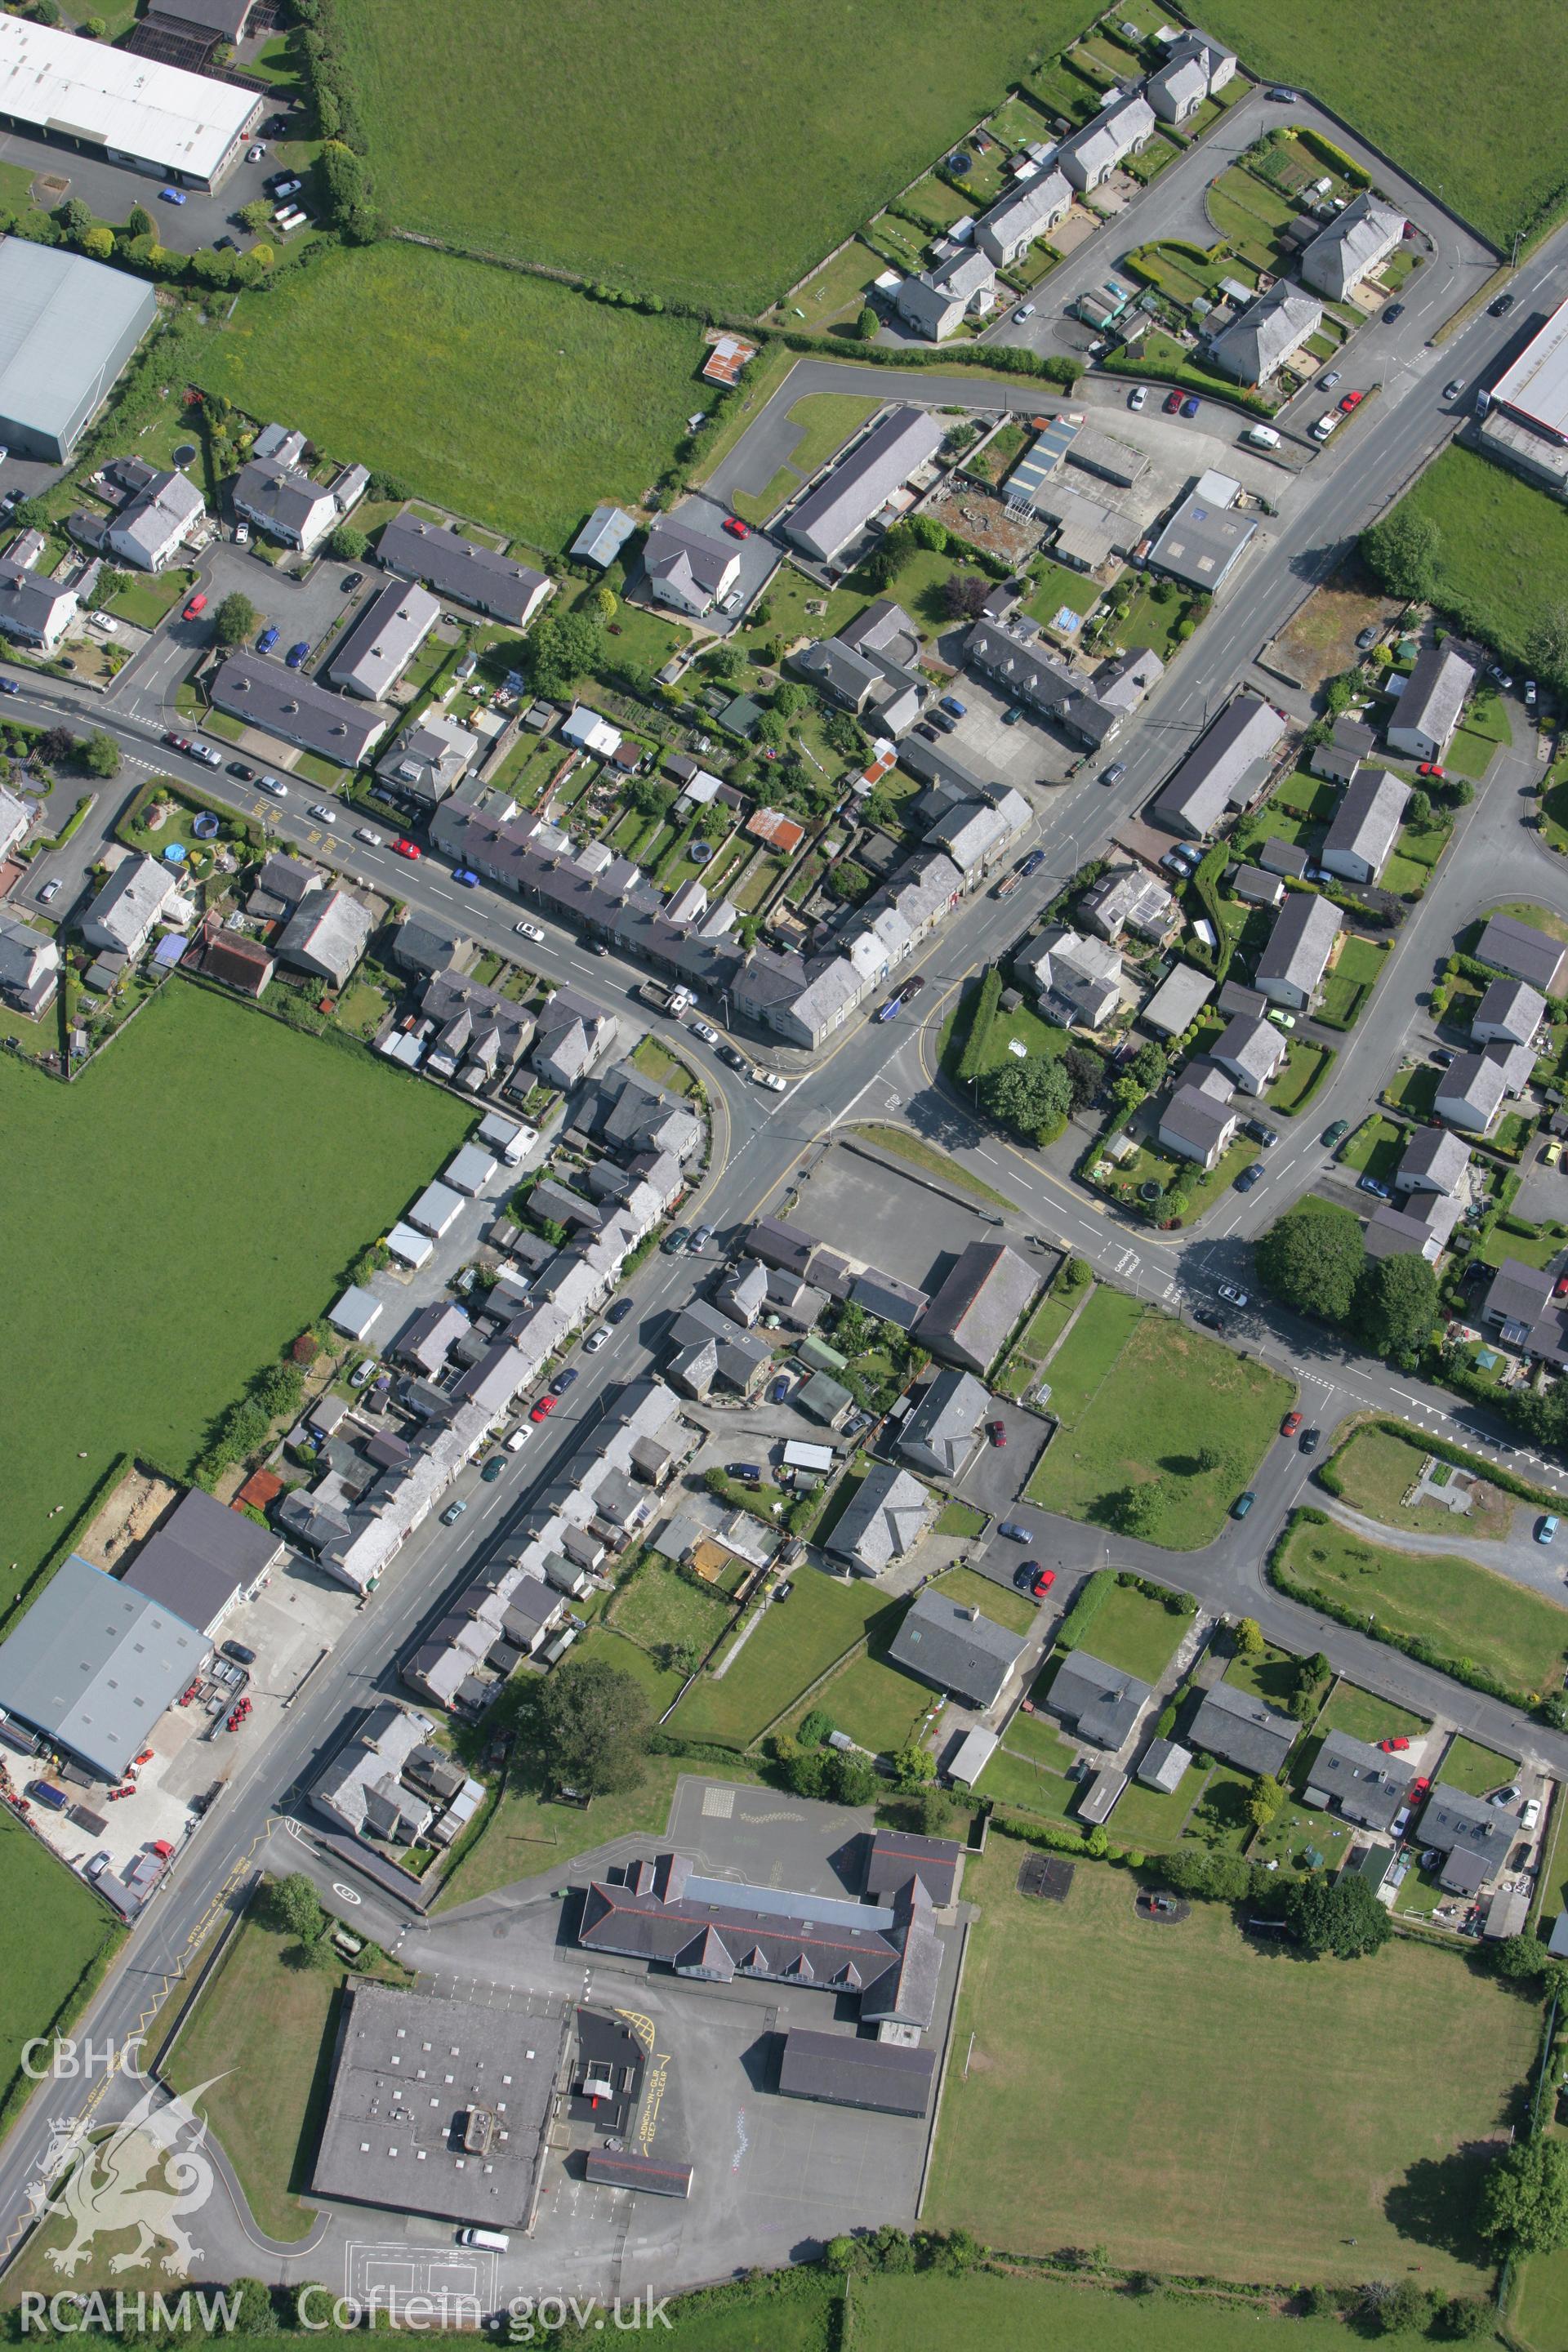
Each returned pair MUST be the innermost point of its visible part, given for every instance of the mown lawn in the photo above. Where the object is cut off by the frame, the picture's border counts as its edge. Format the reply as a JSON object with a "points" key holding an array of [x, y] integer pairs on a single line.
{"points": [[1502, 1627], [1377, 1469], [56, 1940], [1051, 2139], [1477, 1771], [985, 2309], [1145, 1401], [660, 1607], [174, 1219], [507, 398], [1365, 1717], [1503, 561], [716, 158], [1129, 1631], [798, 1640]]}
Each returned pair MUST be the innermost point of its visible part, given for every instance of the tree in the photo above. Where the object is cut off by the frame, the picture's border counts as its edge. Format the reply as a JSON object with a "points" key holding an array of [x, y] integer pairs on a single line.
{"points": [[1524, 2199], [75, 218], [913, 1766], [646, 797], [1396, 2310], [772, 728], [236, 619], [1085, 1075], [563, 649], [347, 544], [142, 223], [1403, 551], [1546, 646], [1264, 1800], [1060, 369], [790, 698], [1133, 1510], [1312, 1259], [1249, 1636], [1396, 1304], [1148, 1065], [851, 1779], [962, 595], [255, 2314], [1520, 1958], [98, 242], [1032, 1097], [604, 603], [867, 324], [1417, 809], [849, 881], [1342, 1915], [255, 217], [588, 1727], [100, 754]]}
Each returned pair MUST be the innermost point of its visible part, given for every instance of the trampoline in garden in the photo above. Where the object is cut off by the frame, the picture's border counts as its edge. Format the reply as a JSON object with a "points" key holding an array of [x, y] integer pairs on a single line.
{"points": [[205, 826], [184, 453], [1045, 1876]]}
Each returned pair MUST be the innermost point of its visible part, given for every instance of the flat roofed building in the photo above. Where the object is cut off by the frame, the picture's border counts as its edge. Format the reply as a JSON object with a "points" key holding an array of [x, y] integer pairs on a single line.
{"points": [[1534, 387], [438, 2106], [472, 574], [93, 1665], [68, 326], [121, 109], [1202, 542], [383, 640]]}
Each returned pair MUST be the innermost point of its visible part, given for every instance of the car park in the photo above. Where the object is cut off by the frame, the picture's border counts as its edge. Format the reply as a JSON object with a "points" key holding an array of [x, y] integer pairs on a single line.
{"points": [[295, 657], [171, 196], [267, 640], [530, 931]]}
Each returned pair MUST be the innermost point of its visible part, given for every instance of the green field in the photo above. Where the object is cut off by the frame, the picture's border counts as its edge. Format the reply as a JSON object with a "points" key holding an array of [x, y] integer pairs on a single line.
{"points": [[55, 1938], [1366, 1716], [1376, 1470], [795, 1641], [987, 2309], [1142, 1402], [1129, 1631], [1464, 1609], [505, 397], [1393, 73], [1209, 2105], [660, 1609], [715, 159], [1503, 564], [1477, 1771], [175, 1218]]}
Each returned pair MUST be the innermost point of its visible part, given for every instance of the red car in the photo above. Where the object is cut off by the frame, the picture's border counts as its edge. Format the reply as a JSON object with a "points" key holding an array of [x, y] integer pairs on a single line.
{"points": [[996, 1431], [407, 848], [1290, 1425], [736, 527], [1173, 403], [176, 742], [544, 1408], [1389, 1747], [1429, 768], [1561, 1290], [197, 605], [1044, 1579], [1351, 400]]}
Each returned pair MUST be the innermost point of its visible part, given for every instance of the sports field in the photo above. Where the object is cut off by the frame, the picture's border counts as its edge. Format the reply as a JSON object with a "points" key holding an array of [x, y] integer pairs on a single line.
{"points": [[1495, 155], [1193, 2102], [1145, 1402], [504, 397], [55, 1941], [715, 155], [174, 1219]]}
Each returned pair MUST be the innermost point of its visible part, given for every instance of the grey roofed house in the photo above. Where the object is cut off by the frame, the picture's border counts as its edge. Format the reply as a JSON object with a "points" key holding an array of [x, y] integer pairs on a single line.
{"points": [[687, 568], [954, 1648], [362, 1788], [154, 524], [285, 879], [283, 501], [1162, 1765], [1250, 1051], [1233, 1724], [1519, 950], [884, 1296], [941, 1434], [602, 536], [718, 1929], [893, 1854], [1368, 1787], [1256, 888], [1202, 541], [852, 2070], [885, 630], [30, 966], [937, 302], [224, 19], [1286, 857], [279, 701], [438, 2106], [92, 1664], [1100, 1703], [128, 906], [885, 1518], [1471, 1092], [422, 943], [1428, 712], [429, 1338], [1358, 240], [571, 1033], [202, 1559], [1199, 1120], [430, 758], [1079, 980], [978, 1305], [383, 640], [833, 514], [1177, 90], [1433, 1161], [68, 326], [778, 1242], [1029, 668], [1517, 1293], [327, 935], [33, 608], [1094, 153], [1129, 899], [1349, 742], [1367, 824], [1452, 1819], [1256, 345], [1420, 1227], [478, 1031], [1510, 1011], [712, 1352], [1292, 966], [1032, 210], [463, 569], [1235, 997], [1226, 768], [1177, 1002]]}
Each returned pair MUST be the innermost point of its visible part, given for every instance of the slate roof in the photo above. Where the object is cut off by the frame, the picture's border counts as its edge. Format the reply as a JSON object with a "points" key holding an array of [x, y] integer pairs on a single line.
{"points": [[893, 1854], [462, 569], [978, 1305], [1366, 823], [1254, 346], [954, 1648], [855, 2072], [693, 562], [1433, 698], [884, 1520], [865, 479], [1370, 1786], [941, 1433], [1452, 1818], [1519, 950], [201, 1557], [1100, 1703], [1509, 1008], [1231, 1722], [1352, 244], [1251, 1050], [384, 639], [1434, 1159], [1300, 944], [1224, 768]]}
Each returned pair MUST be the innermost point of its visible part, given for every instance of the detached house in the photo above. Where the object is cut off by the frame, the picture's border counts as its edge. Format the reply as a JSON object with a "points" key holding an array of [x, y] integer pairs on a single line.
{"points": [[886, 1519], [937, 303], [1511, 1013], [135, 897], [34, 609], [1367, 824], [1200, 1121], [153, 527], [1255, 346], [1077, 980], [1250, 1051], [1428, 712], [327, 935], [1358, 241], [687, 569]]}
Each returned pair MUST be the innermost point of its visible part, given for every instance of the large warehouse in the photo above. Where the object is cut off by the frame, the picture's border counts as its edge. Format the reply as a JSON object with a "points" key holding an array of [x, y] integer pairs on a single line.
{"points": [[66, 328], [123, 108], [93, 1665]]}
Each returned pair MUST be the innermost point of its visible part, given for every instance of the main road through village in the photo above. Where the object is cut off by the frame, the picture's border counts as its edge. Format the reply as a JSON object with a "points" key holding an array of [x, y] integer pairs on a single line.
{"points": [[763, 1144]]}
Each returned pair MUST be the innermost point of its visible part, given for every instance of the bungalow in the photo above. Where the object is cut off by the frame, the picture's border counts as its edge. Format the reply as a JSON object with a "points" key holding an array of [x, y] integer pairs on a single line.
{"points": [[1101, 1704], [1251, 1051], [1291, 967], [829, 517], [1240, 1729], [884, 1520], [1427, 710], [1359, 1780], [1367, 824], [1354, 244], [954, 1648]]}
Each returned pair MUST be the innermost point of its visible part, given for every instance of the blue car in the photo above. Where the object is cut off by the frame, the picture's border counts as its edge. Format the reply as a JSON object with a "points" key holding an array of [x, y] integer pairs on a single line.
{"points": [[951, 705], [266, 641], [1190, 405], [1371, 1184], [466, 876], [171, 196], [1546, 1529], [1033, 863], [296, 654], [1249, 1177], [780, 1390], [9, 685]]}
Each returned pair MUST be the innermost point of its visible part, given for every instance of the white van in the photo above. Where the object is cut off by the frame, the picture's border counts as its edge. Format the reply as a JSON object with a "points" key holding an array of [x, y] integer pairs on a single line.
{"points": [[1264, 436], [496, 2240]]}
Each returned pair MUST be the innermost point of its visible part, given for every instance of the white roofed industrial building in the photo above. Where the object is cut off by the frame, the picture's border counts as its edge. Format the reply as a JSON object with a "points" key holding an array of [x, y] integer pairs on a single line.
{"points": [[68, 326], [122, 109]]}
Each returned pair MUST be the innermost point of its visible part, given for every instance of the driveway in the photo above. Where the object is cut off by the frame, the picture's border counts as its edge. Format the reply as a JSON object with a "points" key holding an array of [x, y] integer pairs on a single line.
{"points": [[998, 1474]]}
